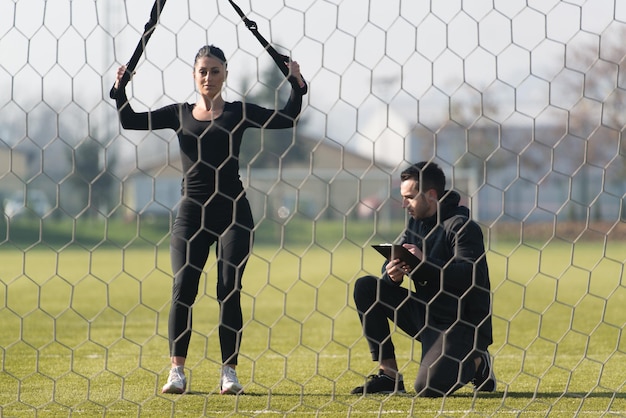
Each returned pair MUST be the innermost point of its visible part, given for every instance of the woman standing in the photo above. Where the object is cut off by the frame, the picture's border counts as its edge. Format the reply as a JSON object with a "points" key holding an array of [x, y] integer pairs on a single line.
{"points": [[213, 207]]}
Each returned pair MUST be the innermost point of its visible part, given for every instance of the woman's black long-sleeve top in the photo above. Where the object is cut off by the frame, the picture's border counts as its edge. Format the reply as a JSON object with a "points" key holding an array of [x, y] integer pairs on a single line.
{"points": [[210, 149]]}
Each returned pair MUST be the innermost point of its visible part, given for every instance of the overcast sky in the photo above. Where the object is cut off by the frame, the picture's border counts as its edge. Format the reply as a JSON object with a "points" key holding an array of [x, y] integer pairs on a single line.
{"points": [[364, 60]]}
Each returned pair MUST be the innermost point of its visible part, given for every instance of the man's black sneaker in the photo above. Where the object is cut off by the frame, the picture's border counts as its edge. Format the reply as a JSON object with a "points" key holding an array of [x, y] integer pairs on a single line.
{"points": [[380, 383], [485, 378]]}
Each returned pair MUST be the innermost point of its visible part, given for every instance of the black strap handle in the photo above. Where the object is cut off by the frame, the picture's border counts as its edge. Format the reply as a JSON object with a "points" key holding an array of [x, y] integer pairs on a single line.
{"points": [[157, 8], [278, 58]]}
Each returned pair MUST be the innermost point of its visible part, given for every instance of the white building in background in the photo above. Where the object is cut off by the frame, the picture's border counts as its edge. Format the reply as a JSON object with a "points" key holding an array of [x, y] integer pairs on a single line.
{"points": [[359, 177], [387, 137], [334, 182]]}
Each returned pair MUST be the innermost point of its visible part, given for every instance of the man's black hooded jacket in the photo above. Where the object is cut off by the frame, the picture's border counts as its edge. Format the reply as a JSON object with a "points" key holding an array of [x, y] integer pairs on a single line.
{"points": [[453, 278]]}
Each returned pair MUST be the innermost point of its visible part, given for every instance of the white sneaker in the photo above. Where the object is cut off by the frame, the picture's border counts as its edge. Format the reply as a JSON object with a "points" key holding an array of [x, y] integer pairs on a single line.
{"points": [[176, 381], [229, 384]]}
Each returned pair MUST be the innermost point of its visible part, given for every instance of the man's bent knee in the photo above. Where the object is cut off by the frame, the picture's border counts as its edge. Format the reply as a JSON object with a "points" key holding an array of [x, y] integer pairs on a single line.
{"points": [[364, 288]]}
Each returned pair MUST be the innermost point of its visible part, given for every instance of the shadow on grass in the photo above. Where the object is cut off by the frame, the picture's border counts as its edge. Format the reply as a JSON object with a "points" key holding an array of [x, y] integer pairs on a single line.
{"points": [[577, 395], [482, 395], [244, 395]]}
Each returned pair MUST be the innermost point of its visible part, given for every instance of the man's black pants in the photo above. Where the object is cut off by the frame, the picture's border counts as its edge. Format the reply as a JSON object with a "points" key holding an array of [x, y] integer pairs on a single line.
{"points": [[448, 353]]}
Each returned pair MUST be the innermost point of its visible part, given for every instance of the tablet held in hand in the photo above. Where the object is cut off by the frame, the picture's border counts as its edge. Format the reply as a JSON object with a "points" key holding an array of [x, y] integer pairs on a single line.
{"points": [[393, 251]]}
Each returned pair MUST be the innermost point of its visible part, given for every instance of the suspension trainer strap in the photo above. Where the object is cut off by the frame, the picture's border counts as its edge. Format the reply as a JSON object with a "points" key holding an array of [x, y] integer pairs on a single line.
{"points": [[157, 8], [278, 58]]}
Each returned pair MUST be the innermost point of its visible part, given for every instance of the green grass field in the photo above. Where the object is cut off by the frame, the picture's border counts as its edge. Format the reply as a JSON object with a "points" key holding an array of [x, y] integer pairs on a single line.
{"points": [[84, 333]]}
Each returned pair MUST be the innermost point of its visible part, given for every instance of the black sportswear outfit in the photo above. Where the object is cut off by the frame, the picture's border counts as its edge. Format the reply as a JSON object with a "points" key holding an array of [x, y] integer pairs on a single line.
{"points": [[213, 208], [450, 311]]}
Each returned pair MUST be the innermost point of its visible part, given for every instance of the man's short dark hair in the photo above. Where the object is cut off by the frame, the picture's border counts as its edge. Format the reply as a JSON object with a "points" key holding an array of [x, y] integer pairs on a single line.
{"points": [[428, 176]]}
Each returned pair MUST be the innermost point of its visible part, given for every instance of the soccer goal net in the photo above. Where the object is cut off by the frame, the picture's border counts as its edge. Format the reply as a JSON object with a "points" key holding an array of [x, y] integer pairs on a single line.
{"points": [[522, 103]]}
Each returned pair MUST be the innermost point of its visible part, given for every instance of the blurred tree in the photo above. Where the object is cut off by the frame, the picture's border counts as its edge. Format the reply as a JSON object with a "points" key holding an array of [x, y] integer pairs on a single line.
{"points": [[597, 118], [579, 135], [92, 180], [271, 148]]}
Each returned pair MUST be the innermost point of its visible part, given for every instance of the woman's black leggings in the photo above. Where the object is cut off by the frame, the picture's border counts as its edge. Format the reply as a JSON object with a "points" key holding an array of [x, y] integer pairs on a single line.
{"points": [[195, 229]]}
